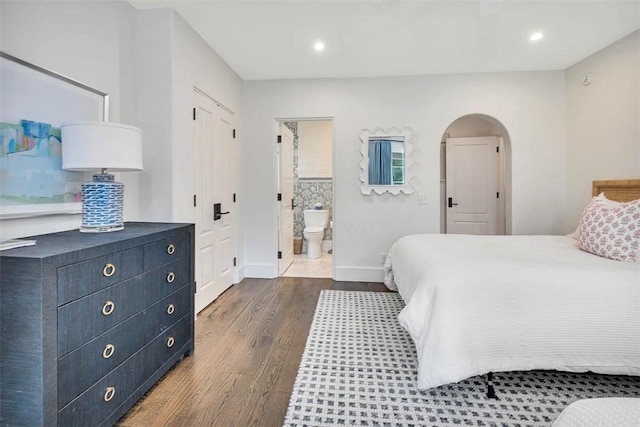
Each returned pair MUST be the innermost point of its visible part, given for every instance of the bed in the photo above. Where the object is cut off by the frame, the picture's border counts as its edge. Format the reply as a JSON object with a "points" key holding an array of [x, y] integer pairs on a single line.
{"points": [[610, 411], [482, 304]]}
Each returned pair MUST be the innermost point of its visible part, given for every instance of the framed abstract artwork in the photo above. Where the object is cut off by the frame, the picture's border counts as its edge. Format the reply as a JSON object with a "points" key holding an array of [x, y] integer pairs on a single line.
{"points": [[34, 102]]}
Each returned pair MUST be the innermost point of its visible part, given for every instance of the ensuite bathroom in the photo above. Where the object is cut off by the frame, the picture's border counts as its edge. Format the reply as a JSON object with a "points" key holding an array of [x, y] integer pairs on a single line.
{"points": [[312, 198]]}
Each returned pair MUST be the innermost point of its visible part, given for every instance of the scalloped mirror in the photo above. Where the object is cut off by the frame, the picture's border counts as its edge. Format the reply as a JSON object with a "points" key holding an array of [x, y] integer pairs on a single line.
{"points": [[385, 166]]}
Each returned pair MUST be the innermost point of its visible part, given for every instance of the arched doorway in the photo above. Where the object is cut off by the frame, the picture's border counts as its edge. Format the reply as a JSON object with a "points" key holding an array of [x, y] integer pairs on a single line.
{"points": [[475, 149]]}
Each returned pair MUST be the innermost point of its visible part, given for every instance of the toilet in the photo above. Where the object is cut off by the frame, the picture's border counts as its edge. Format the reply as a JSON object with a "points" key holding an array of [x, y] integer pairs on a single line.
{"points": [[315, 222]]}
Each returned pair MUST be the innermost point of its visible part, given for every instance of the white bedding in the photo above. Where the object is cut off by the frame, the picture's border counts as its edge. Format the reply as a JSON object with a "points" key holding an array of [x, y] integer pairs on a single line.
{"points": [[478, 304], [609, 411]]}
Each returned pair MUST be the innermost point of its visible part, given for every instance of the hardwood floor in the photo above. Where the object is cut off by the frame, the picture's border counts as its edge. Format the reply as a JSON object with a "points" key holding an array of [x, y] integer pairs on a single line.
{"points": [[249, 343]]}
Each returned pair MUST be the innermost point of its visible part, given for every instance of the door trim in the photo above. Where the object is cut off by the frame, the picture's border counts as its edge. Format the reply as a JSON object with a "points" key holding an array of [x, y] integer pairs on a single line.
{"points": [[334, 207]]}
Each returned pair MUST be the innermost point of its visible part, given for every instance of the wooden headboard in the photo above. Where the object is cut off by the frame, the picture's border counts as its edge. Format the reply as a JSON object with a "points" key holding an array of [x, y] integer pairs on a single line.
{"points": [[620, 190]]}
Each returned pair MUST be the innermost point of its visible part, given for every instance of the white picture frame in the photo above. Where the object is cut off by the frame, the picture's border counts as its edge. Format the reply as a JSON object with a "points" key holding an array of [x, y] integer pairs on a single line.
{"points": [[406, 135]]}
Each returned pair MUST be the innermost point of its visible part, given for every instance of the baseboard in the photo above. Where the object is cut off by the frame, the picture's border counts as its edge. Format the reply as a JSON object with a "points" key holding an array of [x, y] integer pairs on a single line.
{"points": [[260, 271], [238, 274], [356, 273]]}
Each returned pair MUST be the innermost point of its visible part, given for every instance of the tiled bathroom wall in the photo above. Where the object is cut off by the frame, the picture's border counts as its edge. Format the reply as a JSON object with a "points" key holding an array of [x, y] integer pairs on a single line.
{"points": [[307, 191]]}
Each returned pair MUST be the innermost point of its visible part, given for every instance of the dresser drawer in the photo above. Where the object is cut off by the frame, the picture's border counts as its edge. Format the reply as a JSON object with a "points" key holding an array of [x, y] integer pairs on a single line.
{"points": [[104, 397], [164, 251], [81, 368], [83, 319], [77, 280]]}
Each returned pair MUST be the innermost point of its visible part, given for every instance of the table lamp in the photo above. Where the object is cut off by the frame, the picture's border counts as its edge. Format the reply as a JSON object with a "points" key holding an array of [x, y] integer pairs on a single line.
{"points": [[101, 146]]}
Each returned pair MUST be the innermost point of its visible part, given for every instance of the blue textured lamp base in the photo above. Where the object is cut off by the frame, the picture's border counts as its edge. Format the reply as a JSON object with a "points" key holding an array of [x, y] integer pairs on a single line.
{"points": [[102, 202]]}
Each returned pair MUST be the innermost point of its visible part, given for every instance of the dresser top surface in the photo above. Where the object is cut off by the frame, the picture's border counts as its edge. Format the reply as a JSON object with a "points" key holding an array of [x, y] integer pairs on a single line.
{"points": [[54, 244]]}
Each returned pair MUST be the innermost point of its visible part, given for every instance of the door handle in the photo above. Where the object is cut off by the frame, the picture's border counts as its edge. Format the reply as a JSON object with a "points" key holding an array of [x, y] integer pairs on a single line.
{"points": [[217, 214], [451, 204]]}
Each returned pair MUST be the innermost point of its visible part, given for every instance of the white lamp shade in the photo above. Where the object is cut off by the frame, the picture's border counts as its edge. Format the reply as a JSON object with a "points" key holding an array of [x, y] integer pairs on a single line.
{"points": [[88, 146]]}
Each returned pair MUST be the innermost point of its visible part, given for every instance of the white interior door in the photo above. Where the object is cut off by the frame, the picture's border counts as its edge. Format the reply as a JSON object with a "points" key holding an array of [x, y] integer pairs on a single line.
{"points": [[213, 150], [472, 197], [223, 193], [285, 184]]}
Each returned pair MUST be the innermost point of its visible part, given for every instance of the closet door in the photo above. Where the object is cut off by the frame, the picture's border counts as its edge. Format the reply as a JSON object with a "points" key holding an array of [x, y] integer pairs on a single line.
{"points": [[213, 198]]}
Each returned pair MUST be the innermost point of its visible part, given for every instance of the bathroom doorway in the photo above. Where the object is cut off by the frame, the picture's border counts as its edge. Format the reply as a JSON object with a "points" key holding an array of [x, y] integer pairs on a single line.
{"points": [[312, 174]]}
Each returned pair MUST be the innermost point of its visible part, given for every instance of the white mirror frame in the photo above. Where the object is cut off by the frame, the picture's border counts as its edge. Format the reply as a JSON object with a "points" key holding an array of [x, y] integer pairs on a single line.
{"points": [[407, 188]]}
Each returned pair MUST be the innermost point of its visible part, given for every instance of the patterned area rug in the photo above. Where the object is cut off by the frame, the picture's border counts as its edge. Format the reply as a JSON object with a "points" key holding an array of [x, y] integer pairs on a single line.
{"points": [[359, 367]]}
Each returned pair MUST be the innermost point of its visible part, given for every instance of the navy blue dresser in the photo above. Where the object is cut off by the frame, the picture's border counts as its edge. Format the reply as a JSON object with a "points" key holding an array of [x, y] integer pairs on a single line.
{"points": [[89, 322]]}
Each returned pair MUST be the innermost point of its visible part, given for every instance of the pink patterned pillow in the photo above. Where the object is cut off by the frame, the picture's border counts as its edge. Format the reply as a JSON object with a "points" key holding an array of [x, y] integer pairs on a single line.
{"points": [[611, 231]]}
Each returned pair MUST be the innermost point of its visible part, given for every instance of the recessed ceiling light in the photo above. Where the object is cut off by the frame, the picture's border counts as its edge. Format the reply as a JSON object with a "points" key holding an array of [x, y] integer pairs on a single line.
{"points": [[319, 46], [536, 36]]}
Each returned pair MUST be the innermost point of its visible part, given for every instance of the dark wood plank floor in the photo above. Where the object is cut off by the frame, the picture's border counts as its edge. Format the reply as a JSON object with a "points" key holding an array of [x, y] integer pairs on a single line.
{"points": [[249, 343]]}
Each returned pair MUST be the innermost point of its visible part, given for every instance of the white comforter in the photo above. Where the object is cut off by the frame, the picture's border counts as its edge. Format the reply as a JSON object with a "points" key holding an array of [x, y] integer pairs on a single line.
{"points": [[478, 304], [608, 411]]}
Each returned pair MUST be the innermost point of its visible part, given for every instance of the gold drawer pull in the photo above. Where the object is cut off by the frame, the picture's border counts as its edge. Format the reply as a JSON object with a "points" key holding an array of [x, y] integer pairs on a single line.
{"points": [[109, 393], [170, 342], [108, 308], [108, 351], [171, 309], [171, 277], [171, 249], [108, 270]]}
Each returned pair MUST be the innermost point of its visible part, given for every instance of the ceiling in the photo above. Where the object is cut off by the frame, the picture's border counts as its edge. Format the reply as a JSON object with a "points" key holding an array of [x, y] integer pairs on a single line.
{"points": [[266, 39]]}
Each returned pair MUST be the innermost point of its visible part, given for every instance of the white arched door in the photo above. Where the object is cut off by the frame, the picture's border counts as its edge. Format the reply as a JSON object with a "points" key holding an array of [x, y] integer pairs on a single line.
{"points": [[472, 185]]}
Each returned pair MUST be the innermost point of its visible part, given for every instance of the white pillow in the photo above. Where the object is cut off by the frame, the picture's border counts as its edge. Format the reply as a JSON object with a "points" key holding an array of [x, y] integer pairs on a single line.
{"points": [[611, 230]]}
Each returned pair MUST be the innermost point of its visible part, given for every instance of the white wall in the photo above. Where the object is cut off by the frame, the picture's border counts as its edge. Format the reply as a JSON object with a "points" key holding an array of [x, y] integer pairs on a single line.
{"points": [[603, 121], [467, 127], [86, 41], [155, 76], [197, 65], [315, 149], [102, 43], [529, 105], [148, 61], [173, 60]]}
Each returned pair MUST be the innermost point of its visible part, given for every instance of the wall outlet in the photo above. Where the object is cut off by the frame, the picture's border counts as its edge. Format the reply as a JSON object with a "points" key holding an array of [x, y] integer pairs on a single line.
{"points": [[423, 199]]}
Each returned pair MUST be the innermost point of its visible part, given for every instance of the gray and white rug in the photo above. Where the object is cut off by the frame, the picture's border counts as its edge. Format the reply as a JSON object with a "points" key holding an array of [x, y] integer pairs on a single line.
{"points": [[359, 367]]}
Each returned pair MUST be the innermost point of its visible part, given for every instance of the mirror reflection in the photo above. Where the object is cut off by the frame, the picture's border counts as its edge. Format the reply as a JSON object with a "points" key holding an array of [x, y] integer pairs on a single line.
{"points": [[386, 160], [386, 163]]}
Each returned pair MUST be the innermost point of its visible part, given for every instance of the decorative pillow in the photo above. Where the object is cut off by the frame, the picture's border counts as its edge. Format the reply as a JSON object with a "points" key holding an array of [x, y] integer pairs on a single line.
{"points": [[611, 231], [603, 198]]}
